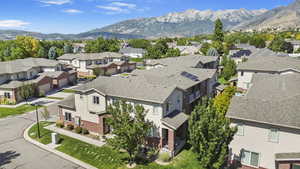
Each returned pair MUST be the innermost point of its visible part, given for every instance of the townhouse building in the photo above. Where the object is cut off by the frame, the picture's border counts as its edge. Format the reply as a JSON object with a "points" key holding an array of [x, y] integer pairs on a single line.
{"points": [[43, 73], [167, 93], [108, 63], [266, 62], [267, 118]]}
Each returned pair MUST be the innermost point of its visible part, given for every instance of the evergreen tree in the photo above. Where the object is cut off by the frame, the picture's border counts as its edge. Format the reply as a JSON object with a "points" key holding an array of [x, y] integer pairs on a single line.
{"points": [[68, 48], [218, 33], [52, 54], [210, 135]]}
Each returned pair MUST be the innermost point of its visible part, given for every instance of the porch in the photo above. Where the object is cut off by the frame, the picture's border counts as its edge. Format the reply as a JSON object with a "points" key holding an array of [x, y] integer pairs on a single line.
{"points": [[174, 132]]}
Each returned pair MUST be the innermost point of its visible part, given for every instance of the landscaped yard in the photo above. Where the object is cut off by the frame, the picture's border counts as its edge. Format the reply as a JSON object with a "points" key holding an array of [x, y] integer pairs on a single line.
{"points": [[107, 158], [68, 91], [55, 98], [4, 112]]}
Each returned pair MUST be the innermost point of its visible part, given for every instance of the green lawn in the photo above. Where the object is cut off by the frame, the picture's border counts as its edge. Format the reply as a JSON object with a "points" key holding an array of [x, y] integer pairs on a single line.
{"points": [[136, 59], [4, 112], [107, 158], [45, 134], [223, 81], [68, 91], [55, 98]]}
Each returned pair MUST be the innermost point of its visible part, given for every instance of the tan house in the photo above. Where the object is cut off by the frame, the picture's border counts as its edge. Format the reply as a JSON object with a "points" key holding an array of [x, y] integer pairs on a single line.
{"points": [[35, 71], [267, 118], [88, 108]]}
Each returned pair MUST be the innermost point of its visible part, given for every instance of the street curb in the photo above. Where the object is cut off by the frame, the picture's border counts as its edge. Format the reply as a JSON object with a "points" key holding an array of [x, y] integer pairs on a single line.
{"points": [[56, 152]]}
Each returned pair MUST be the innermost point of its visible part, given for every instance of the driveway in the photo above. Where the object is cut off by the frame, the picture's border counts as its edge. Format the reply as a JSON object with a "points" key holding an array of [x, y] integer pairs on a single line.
{"points": [[15, 152]]}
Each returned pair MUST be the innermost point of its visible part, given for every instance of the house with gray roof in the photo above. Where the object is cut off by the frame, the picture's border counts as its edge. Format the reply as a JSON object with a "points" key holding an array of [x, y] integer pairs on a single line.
{"points": [[87, 64], [163, 103], [196, 61], [34, 71], [133, 52], [268, 122], [265, 61], [295, 43]]}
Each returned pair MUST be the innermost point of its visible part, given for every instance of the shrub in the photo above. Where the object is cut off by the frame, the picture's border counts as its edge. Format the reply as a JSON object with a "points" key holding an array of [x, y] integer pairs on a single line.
{"points": [[85, 131], [152, 152], [78, 130], [70, 126], [164, 157], [60, 124]]}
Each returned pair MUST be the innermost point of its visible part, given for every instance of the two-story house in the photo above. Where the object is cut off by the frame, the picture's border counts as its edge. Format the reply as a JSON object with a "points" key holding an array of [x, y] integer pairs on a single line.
{"points": [[86, 64], [39, 71], [267, 62], [163, 103], [268, 122]]}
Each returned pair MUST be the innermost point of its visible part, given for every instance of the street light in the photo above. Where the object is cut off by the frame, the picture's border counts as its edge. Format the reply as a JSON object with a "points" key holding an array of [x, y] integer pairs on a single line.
{"points": [[37, 119]]}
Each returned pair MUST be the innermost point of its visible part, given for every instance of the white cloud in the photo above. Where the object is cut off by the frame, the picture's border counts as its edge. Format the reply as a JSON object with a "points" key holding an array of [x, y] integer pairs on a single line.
{"points": [[12, 23], [72, 11], [55, 2], [118, 7], [122, 4]]}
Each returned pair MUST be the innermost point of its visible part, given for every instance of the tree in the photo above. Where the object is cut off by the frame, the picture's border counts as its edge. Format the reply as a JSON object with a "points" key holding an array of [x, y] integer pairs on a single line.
{"points": [[139, 43], [218, 33], [258, 42], [45, 113], [182, 42], [130, 127], [222, 101], [102, 45], [27, 91], [52, 54], [280, 45], [173, 52], [204, 48], [42, 53], [219, 46], [29, 45], [210, 135], [68, 48], [229, 68], [212, 52]]}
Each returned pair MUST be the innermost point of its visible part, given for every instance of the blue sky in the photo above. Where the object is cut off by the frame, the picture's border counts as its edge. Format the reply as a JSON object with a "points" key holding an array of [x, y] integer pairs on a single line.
{"points": [[74, 16]]}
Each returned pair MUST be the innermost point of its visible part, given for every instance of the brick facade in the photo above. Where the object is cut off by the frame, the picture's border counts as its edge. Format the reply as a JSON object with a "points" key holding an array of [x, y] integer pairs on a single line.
{"points": [[286, 164]]}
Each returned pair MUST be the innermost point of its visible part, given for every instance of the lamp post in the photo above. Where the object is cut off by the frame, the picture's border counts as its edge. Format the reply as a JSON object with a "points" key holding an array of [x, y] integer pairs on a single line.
{"points": [[37, 119]]}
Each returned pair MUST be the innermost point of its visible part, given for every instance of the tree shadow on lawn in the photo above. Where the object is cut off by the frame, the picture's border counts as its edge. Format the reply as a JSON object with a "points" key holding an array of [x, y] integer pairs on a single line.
{"points": [[6, 157]]}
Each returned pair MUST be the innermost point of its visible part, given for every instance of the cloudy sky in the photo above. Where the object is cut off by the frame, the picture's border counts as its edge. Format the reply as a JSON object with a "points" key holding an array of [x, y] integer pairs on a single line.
{"points": [[74, 16]]}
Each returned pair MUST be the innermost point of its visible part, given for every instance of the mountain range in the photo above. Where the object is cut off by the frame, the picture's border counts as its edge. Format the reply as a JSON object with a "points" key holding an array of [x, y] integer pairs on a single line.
{"points": [[181, 24]]}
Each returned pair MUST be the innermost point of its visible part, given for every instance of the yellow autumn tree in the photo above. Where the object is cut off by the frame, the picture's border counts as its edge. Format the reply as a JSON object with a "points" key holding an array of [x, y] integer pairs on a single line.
{"points": [[29, 45]]}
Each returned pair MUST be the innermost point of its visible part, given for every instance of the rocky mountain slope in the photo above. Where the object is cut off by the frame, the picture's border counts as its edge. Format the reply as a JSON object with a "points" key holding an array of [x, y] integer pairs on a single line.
{"points": [[282, 17], [187, 23]]}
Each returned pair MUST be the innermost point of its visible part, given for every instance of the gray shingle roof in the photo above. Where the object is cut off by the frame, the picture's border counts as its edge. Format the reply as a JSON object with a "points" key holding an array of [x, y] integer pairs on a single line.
{"points": [[129, 87], [132, 50], [175, 119], [287, 156], [68, 102], [267, 60], [173, 76], [90, 56], [184, 61], [272, 100], [22, 65]]}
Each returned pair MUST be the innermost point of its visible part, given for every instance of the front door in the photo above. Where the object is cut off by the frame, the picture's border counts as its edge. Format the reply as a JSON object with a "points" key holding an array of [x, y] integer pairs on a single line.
{"points": [[106, 126]]}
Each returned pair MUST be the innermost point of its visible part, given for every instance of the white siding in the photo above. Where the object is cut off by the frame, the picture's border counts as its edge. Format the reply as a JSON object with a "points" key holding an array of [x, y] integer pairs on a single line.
{"points": [[255, 139], [244, 80]]}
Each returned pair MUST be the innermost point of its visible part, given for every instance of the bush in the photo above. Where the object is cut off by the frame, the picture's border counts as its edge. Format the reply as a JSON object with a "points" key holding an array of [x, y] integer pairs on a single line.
{"points": [[164, 157], [78, 130], [70, 126], [85, 131], [60, 124]]}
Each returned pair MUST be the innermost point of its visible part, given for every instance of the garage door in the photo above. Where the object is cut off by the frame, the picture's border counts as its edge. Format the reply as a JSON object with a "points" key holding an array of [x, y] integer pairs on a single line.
{"points": [[43, 89], [63, 82]]}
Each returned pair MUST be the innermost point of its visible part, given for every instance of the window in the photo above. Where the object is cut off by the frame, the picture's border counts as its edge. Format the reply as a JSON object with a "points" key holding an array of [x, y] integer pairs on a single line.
{"points": [[240, 130], [167, 107], [242, 73], [7, 95], [250, 158], [77, 121], [68, 116], [273, 136], [151, 132], [96, 100], [155, 110]]}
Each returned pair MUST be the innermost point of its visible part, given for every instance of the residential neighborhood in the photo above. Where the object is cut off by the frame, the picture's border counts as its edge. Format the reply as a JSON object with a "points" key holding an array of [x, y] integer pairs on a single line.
{"points": [[193, 89]]}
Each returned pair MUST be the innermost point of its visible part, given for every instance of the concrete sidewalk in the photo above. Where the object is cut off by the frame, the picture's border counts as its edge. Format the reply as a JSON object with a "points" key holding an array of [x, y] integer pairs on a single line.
{"points": [[51, 148], [75, 135]]}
